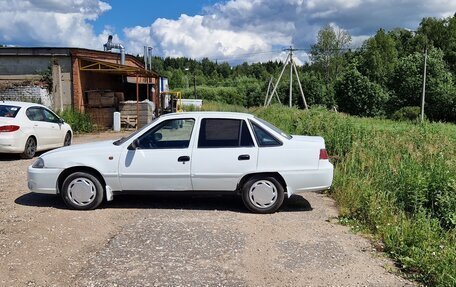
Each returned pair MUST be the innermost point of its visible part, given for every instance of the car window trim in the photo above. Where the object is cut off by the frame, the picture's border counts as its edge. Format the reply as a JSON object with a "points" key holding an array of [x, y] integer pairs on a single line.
{"points": [[160, 125], [280, 143], [217, 147]]}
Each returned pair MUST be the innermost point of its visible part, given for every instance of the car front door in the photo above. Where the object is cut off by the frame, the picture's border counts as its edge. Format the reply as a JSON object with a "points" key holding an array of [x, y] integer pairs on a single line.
{"points": [[224, 153], [54, 124], [160, 158]]}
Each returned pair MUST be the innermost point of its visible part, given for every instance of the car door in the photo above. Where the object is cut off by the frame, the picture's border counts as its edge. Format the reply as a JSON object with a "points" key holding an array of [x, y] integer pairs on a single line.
{"points": [[42, 129], [224, 153], [160, 158], [56, 131]]}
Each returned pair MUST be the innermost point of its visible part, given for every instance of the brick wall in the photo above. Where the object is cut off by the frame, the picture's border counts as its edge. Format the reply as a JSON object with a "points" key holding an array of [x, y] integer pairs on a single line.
{"points": [[26, 93]]}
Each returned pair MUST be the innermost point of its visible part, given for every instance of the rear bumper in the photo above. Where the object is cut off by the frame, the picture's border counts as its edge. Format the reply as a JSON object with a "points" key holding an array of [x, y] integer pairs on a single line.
{"points": [[309, 180], [12, 142], [43, 180]]}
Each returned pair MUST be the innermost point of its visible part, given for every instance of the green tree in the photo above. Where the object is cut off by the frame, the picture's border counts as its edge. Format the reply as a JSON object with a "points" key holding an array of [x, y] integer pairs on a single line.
{"points": [[407, 83], [327, 53], [356, 95], [379, 58]]}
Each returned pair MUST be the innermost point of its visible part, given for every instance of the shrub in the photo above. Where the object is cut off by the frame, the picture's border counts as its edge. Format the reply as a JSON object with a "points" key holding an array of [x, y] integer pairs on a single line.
{"points": [[407, 114], [79, 122]]}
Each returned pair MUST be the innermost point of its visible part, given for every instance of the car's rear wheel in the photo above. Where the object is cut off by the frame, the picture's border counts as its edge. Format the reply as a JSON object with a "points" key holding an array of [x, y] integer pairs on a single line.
{"points": [[262, 194], [29, 149], [82, 190], [67, 140]]}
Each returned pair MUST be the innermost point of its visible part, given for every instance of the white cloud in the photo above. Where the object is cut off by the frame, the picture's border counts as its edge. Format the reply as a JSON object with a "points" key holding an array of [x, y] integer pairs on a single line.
{"points": [[51, 23], [233, 29], [239, 27]]}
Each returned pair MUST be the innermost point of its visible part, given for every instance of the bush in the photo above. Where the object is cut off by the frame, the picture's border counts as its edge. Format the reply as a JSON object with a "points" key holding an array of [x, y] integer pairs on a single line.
{"points": [[79, 122], [407, 114]]}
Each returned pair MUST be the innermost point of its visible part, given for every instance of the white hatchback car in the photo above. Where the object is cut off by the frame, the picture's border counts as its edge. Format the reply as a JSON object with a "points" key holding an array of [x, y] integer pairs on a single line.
{"points": [[200, 151], [26, 128]]}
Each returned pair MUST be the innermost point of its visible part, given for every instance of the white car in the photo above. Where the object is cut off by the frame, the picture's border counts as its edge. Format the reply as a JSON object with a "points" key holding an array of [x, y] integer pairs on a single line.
{"points": [[26, 128], [200, 151]]}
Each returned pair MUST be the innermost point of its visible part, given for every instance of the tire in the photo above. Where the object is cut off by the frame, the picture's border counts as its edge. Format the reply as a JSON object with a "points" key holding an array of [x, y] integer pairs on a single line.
{"points": [[262, 194], [29, 149], [82, 191], [67, 140]]}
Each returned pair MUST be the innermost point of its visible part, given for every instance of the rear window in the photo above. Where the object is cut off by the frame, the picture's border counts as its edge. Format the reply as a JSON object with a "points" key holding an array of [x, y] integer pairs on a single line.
{"points": [[9, 111]]}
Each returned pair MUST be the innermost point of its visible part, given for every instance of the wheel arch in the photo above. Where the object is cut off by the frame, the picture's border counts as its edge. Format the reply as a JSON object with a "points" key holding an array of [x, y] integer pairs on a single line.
{"points": [[276, 175], [65, 173]]}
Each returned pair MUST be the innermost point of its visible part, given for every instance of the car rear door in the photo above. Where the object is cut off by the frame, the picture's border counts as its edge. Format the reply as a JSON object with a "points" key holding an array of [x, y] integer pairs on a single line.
{"points": [[161, 160], [225, 152], [42, 129]]}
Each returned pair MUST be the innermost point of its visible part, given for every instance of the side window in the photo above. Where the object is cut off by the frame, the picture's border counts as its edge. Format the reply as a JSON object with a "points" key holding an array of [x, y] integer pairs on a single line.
{"points": [[263, 137], [34, 114], [218, 133], [169, 134], [50, 116]]}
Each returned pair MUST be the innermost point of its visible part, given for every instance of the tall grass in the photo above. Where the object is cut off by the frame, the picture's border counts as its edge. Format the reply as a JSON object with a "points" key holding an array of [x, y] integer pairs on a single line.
{"points": [[396, 179]]}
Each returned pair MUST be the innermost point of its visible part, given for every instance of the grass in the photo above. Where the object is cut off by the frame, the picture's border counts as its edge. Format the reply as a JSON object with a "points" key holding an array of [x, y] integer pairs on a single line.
{"points": [[395, 179]]}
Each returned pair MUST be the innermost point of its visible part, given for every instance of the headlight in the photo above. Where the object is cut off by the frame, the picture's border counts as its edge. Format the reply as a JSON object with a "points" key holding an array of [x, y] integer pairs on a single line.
{"points": [[39, 163]]}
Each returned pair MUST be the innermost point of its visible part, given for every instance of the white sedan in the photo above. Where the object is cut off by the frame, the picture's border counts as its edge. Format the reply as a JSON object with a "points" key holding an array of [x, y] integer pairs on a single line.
{"points": [[26, 128], [200, 151]]}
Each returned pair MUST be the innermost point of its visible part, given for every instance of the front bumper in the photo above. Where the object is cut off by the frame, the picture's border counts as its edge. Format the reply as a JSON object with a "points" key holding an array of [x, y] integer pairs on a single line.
{"points": [[43, 180]]}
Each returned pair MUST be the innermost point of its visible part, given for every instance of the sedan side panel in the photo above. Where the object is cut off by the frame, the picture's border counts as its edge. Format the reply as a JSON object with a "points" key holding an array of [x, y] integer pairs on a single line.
{"points": [[222, 168]]}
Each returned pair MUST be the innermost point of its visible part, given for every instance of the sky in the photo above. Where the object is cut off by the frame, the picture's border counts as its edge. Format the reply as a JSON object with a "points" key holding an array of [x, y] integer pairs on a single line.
{"points": [[230, 30]]}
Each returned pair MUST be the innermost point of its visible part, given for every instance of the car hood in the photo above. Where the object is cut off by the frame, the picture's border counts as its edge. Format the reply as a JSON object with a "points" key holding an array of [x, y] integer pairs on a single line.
{"points": [[101, 145]]}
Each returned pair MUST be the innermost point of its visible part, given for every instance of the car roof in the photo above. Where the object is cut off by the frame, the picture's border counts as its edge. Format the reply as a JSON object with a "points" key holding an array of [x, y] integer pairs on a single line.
{"points": [[20, 104], [211, 114]]}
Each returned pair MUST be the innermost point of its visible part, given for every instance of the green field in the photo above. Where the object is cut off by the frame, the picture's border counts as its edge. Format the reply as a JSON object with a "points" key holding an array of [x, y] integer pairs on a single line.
{"points": [[395, 180]]}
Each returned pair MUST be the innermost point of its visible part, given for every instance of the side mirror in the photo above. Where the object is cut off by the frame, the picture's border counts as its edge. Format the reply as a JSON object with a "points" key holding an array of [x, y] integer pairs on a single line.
{"points": [[61, 121], [134, 145]]}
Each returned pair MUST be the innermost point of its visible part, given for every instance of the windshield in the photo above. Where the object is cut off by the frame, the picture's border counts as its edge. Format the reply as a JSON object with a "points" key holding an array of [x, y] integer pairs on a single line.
{"points": [[9, 111], [124, 139], [274, 128]]}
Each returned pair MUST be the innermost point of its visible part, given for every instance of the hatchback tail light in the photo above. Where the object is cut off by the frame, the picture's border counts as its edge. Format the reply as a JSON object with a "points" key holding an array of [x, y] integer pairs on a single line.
{"points": [[9, 128], [323, 154]]}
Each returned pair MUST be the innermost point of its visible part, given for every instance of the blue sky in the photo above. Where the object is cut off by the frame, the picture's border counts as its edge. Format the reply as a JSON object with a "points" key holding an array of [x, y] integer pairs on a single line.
{"points": [[234, 30], [144, 12]]}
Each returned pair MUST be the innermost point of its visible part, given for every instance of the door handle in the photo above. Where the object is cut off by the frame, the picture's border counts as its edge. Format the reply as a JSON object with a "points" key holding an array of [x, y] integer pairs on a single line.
{"points": [[244, 157], [183, 158]]}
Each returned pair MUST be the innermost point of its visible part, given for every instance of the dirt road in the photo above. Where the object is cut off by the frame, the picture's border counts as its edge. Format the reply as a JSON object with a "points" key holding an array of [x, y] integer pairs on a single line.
{"points": [[177, 240]]}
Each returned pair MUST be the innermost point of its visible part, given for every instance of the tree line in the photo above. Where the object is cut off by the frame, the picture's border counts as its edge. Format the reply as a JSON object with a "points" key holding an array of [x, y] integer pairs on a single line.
{"points": [[384, 77]]}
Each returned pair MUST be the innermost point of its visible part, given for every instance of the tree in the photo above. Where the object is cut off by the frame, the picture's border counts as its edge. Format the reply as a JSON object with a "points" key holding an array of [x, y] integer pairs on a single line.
{"points": [[327, 52], [379, 58], [356, 95], [407, 83]]}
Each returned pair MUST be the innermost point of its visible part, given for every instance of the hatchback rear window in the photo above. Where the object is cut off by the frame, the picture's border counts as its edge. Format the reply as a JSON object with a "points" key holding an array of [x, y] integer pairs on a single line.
{"points": [[9, 111]]}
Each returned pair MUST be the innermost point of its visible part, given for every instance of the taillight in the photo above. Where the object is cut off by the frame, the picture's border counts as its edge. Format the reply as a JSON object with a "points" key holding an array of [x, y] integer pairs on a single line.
{"points": [[10, 128], [323, 154]]}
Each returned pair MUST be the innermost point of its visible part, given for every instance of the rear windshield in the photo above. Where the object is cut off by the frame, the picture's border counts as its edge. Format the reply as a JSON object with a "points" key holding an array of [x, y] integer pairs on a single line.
{"points": [[9, 111]]}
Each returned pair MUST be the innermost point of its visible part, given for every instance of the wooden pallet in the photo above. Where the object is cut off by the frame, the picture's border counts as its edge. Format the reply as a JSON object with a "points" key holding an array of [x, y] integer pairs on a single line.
{"points": [[128, 121]]}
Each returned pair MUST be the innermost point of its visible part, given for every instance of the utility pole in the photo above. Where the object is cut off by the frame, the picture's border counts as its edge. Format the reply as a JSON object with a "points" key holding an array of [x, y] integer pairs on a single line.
{"points": [[290, 61], [424, 84]]}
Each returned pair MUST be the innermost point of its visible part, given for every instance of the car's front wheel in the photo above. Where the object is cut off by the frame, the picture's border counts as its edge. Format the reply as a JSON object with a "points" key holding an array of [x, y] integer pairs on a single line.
{"points": [[82, 190], [29, 149], [262, 194]]}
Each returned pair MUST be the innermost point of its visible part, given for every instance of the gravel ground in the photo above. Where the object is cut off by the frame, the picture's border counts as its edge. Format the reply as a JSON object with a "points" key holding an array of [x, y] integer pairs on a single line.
{"points": [[177, 240]]}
